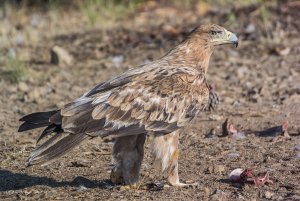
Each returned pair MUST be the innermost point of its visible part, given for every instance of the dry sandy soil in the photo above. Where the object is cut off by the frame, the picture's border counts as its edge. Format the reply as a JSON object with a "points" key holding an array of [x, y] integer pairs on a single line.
{"points": [[259, 86]]}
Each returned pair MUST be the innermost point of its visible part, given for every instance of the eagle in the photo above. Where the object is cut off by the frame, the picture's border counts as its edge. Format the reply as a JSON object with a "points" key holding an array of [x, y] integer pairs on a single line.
{"points": [[156, 99]]}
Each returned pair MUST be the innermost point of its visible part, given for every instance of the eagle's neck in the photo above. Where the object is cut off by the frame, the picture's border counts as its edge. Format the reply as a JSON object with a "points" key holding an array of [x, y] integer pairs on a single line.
{"points": [[193, 52]]}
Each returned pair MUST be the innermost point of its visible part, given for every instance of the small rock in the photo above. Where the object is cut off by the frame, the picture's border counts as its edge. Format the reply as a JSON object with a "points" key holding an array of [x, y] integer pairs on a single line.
{"points": [[283, 51], [228, 100], [296, 147], [81, 188], [264, 91], [34, 95], [23, 87], [228, 128], [233, 53], [60, 56], [250, 29], [212, 134], [235, 175], [233, 155], [216, 169], [239, 135], [82, 163], [215, 117], [35, 20], [12, 53], [242, 72], [117, 60], [11, 88], [20, 40], [269, 194], [207, 191], [219, 195], [219, 168]]}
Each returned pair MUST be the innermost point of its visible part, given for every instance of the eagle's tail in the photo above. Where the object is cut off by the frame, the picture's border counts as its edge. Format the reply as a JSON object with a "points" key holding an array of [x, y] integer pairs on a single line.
{"points": [[36, 120], [58, 144]]}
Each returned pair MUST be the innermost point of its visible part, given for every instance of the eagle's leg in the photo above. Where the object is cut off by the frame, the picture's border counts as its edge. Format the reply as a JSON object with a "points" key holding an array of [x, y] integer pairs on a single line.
{"points": [[166, 153], [214, 99], [128, 153]]}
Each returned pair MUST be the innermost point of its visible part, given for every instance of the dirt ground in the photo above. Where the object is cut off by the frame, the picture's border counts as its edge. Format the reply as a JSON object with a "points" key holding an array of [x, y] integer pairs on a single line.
{"points": [[259, 86]]}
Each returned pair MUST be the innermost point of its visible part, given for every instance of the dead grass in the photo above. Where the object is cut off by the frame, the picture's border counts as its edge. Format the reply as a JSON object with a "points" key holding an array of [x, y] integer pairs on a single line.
{"points": [[103, 11], [14, 71]]}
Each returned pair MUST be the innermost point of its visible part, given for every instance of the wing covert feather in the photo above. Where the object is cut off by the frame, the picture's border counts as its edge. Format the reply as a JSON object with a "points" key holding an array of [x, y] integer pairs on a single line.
{"points": [[160, 100]]}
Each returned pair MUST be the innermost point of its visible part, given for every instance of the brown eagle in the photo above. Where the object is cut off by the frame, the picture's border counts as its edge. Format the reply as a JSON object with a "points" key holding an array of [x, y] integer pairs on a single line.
{"points": [[158, 99]]}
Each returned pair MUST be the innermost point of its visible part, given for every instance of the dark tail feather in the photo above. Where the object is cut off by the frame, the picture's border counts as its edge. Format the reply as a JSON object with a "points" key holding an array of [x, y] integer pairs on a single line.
{"points": [[36, 120], [58, 144], [50, 149], [28, 126], [53, 128], [38, 117]]}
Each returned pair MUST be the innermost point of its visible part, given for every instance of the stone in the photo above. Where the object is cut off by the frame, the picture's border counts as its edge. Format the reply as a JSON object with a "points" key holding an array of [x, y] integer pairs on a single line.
{"points": [[22, 86], [60, 56], [269, 194], [215, 117]]}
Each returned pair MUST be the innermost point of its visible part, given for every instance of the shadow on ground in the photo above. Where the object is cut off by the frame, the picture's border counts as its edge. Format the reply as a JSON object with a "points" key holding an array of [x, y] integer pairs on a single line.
{"points": [[14, 181]]}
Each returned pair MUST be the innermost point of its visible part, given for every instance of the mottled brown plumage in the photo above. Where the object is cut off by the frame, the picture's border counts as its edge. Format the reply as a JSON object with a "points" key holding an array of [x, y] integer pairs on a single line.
{"points": [[157, 99]]}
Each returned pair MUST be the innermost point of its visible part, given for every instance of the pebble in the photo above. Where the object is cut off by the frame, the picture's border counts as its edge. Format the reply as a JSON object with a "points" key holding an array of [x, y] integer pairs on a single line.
{"points": [[296, 147], [12, 53], [242, 72], [250, 28], [81, 188], [37, 94], [219, 168], [228, 100], [207, 191], [35, 20], [215, 117], [20, 40], [239, 135], [269, 194], [117, 60], [235, 175], [216, 168], [60, 56], [22, 86], [233, 155]]}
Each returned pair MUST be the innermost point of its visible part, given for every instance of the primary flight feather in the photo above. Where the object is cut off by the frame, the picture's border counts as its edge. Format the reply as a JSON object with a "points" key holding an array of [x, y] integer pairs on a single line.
{"points": [[156, 99]]}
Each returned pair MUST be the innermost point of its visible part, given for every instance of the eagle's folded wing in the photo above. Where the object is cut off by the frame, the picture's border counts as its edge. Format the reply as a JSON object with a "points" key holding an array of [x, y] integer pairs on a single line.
{"points": [[159, 101]]}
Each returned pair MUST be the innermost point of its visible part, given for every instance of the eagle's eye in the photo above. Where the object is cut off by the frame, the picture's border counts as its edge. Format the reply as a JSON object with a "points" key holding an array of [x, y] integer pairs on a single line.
{"points": [[213, 32]]}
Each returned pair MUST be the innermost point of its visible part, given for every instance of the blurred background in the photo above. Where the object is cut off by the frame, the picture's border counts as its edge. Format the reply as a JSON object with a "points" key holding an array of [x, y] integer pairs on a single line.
{"points": [[43, 42], [52, 51]]}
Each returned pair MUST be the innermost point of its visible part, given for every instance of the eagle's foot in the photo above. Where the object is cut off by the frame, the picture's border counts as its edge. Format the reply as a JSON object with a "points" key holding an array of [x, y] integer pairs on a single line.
{"points": [[182, 185], [116, 177]]}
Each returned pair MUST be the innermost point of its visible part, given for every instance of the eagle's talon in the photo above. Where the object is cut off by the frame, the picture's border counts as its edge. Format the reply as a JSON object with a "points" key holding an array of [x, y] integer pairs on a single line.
{"points": [[184, 185]]}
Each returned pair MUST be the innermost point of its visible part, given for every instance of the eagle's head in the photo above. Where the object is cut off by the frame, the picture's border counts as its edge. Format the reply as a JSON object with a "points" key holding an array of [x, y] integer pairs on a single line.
{"points": [[196, 49], [215, 35]]}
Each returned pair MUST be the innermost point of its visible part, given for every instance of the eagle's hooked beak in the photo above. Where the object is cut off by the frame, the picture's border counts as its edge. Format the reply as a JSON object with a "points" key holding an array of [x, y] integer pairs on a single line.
{"points": [[227, 38], [232, 38]]}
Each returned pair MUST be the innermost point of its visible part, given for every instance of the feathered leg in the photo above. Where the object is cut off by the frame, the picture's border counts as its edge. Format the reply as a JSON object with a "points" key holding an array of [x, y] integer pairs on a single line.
{"points": [[128, 153], [214, 99], [166, 153]]}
